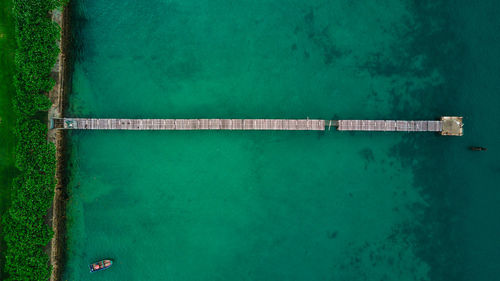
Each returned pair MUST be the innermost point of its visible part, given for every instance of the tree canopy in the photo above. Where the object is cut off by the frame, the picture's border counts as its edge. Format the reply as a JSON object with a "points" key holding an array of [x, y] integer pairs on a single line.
{"points": [[24, 229]]}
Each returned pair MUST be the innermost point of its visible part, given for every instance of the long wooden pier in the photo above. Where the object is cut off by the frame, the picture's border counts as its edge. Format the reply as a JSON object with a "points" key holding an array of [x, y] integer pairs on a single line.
{"points": [[446, 126], [189, 124]]}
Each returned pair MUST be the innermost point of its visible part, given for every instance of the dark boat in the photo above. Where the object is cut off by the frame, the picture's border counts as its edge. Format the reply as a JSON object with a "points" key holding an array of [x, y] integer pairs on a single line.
{"points": [[100, 265], [478, 148]]}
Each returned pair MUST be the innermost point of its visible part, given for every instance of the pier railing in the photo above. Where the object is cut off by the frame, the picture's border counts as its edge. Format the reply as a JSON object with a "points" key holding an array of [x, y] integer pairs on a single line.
{"points": [[446, 125], [189, 124]]}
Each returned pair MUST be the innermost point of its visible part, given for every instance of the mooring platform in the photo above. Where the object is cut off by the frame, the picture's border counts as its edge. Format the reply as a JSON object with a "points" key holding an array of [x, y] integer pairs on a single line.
{"points": [[452, 126]]}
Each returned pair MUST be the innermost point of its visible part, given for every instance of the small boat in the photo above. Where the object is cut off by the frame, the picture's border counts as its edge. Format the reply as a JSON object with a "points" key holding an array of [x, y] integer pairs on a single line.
{"points": [[478, 148], [100, 265]]}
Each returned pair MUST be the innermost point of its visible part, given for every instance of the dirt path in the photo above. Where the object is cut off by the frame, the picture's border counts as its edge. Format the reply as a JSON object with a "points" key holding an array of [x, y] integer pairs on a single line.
{"points": [[58, 97]]}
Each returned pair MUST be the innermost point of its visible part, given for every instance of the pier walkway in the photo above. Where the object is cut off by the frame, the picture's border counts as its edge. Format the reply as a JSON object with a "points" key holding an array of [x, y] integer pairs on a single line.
{"points": [[445, 126], [390, 125], [189, 124]]}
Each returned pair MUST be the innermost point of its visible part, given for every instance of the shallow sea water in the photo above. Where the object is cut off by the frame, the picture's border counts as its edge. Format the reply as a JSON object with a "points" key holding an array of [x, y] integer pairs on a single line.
{"points": [[274, 205]]}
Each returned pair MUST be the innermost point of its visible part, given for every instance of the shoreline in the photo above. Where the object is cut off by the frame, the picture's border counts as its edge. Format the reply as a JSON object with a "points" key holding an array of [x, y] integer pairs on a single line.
{"points": [[57, 96]]}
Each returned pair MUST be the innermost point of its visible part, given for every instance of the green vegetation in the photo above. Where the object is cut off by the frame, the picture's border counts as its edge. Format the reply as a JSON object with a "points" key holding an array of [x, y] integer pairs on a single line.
{"points": [[25, 231], [7, 116]]}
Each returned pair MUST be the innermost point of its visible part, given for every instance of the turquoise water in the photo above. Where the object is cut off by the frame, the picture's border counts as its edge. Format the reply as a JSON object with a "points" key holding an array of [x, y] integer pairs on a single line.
{"points": [[283, 205]]}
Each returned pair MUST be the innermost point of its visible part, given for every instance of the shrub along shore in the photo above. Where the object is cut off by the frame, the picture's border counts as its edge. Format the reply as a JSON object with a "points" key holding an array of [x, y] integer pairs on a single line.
{"points": [[25, 232]]}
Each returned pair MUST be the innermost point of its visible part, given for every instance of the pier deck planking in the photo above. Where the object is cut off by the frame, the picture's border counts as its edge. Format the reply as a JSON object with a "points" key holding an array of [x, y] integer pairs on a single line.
{"points": [[453, 125], [189, 124], [390, 125]]}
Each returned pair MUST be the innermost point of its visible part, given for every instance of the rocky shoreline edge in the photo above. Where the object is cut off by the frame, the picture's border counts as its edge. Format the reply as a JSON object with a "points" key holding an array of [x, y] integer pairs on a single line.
{"points": [[61, 74]]}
